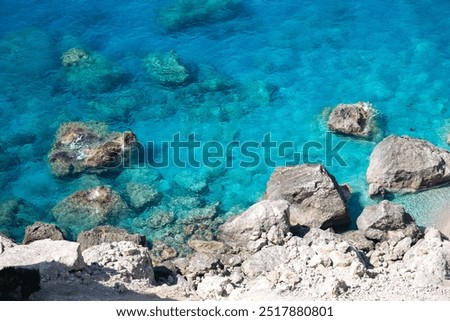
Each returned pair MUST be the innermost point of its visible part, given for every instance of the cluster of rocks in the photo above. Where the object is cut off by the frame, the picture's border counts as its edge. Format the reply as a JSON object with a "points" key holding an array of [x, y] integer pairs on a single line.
{"points": [[262, 253], [398, 164]]}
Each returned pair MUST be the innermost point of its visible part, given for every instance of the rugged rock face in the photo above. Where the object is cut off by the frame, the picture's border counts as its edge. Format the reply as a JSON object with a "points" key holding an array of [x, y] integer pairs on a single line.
{"points": [[429, 259], [17, 284], [387, 221], [266, 222], [314, 196], [42, 231], [353, 119], [405, 164], [89, 148], [5, 243], [50, 257], [107, 234], [124, 260], [89, 208], [167, 69]]}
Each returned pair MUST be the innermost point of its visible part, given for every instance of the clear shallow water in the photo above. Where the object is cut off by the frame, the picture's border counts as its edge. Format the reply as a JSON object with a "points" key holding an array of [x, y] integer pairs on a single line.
{"points": [[285, 62]]}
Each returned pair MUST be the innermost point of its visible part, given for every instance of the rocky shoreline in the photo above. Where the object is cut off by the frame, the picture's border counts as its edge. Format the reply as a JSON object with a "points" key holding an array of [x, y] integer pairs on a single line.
{"points": [[263, 253], [290, 244]]}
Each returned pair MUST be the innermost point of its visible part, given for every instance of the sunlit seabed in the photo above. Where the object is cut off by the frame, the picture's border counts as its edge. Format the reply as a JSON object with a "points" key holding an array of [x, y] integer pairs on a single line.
{"points": [[286, 61]]}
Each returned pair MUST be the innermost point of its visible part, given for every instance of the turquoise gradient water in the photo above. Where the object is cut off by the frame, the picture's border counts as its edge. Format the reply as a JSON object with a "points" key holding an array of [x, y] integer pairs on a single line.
{"points": [[281, 64]]}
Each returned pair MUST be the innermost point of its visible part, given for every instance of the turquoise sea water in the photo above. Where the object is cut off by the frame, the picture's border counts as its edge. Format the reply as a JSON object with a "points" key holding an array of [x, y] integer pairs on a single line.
{"points": [[258, 67]]}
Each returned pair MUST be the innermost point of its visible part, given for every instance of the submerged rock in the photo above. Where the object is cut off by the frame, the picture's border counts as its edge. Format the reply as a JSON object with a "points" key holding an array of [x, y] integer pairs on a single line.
{"points": [[387, 221], [108, 234], [85, 209], [89, 147], [314, 196], [353, 119], [167, 69], [142, 195], [90, 73], [267, 220], [124, 261], [74, 57], [406, 164], [187, 13], [42, 231]]}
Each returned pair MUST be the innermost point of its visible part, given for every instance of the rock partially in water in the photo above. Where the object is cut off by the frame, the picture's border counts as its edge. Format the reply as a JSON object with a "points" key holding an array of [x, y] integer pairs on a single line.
{"points": [[387, 221], [167, 69], [89, 147], [124, 261], [108, 234], [406, 164], [41, 231], [266, 220], [353, 119], [86, 209], [314, 196], [183, 14]]}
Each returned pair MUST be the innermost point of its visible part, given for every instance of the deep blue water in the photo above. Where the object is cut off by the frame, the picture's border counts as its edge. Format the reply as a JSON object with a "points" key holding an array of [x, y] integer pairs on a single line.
{"points": [[283, 63]]}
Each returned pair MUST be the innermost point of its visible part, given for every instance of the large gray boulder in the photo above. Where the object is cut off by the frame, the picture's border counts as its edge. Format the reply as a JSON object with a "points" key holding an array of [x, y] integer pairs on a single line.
{"points": [[387, 221], [267, 220], [41, 231], [315, 198], [108, 234], [405, 164], [353, 119], [123, 261], [50, 257]]}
